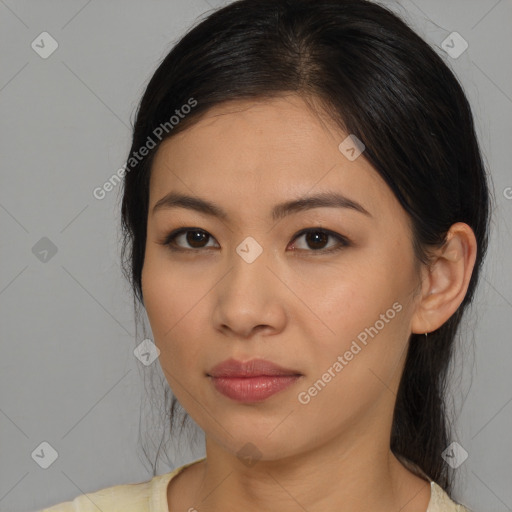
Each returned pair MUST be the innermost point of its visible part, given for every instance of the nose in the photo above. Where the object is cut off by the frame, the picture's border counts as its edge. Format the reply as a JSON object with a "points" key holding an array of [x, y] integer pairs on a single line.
{"points": [[249, 299]]}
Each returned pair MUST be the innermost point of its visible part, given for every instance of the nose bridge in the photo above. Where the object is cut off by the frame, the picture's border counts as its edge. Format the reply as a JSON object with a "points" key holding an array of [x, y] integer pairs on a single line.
{"points": [[247, 296], [249, 267]]}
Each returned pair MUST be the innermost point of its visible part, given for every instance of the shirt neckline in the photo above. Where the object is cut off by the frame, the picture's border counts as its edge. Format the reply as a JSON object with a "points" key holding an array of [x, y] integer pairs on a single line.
{"points": [[158, 500]]}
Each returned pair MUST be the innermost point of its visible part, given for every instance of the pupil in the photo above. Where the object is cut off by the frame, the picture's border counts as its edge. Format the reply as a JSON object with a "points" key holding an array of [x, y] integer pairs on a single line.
{"points": [[197, 239], [315, 235]]}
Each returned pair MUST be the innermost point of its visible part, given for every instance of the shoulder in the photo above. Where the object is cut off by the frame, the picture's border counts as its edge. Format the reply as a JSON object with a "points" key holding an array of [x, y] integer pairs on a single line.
{"points": [[441, 502], [138, 497]]}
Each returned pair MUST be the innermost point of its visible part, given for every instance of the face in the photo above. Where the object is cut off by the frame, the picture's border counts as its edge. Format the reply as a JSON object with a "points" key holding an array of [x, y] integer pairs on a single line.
{"points": [[327, 291]]}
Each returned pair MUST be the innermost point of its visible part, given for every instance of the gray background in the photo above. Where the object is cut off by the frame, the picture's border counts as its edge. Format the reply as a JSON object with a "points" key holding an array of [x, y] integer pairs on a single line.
{"points": [[68, 375]]}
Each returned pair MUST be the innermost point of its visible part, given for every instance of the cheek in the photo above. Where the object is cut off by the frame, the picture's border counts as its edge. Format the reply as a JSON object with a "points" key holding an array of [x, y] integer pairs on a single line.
{"points": [[350, 296], [172, 301], [357, 367], [365, 315], [160, 298]]}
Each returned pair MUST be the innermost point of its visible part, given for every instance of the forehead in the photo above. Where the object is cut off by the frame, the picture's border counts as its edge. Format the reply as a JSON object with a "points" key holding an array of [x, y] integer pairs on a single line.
{"points": [[249, 153], [280, 130]]}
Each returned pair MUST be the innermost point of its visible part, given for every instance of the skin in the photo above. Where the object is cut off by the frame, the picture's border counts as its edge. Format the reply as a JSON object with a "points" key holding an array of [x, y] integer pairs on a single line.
{"points": [[295, 305]]}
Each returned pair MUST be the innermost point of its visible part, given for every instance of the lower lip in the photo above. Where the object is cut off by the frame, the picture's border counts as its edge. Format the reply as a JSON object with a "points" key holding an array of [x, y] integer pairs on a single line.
{"points": [[252, 389]]}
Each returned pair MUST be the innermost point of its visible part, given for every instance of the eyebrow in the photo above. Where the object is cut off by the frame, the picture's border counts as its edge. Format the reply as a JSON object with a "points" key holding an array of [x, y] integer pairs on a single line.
{"points": [[326, 199]]}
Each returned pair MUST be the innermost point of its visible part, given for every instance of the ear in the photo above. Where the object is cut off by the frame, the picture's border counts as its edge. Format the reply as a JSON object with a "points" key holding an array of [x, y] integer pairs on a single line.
{"points": [[446, 281]]}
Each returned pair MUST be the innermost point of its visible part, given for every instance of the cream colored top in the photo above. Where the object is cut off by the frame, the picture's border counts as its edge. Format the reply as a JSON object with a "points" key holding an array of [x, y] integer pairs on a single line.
{"points": [[151, 496]]}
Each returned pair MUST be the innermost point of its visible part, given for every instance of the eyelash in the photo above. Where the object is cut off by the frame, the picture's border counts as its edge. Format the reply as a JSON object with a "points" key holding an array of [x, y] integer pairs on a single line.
{"points": [[170, 238]]}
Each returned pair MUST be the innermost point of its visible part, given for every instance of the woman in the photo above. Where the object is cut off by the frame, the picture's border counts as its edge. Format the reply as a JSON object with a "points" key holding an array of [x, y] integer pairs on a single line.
{"points": [[305, 214]]}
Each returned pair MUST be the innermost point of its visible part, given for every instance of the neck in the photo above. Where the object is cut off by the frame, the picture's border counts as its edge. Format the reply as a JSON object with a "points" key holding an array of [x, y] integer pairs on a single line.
{"points": [[348, 474]]}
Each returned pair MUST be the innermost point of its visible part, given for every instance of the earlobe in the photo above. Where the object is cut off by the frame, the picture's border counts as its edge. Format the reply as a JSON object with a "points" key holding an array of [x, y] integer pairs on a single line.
{"points": [[447, 281]]}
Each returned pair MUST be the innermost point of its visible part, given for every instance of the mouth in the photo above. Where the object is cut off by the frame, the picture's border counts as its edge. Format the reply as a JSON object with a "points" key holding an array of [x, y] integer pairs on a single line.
{"points": [[252, 381], [252, 389], [253, 368]]}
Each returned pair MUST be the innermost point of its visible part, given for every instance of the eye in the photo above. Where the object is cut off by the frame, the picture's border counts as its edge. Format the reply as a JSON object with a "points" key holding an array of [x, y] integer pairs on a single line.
{"points": [[193, 236], [315, 238]]}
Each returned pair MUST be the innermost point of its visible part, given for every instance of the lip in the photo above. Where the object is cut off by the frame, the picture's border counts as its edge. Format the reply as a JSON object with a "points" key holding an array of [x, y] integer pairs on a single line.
{"points": [[253, 368], [252, 381]]}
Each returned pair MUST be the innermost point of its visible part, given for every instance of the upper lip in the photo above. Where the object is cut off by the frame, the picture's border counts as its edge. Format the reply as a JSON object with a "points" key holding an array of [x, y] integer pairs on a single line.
{"points": [[253, 368]]}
